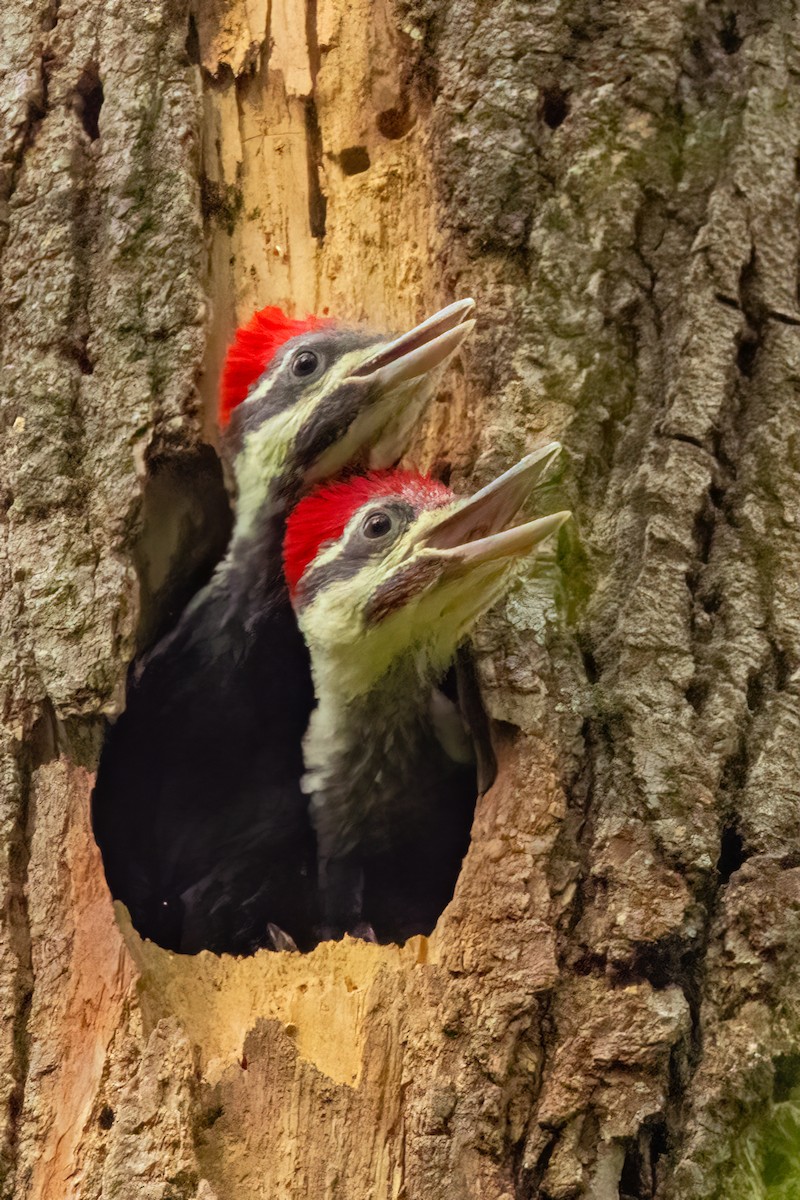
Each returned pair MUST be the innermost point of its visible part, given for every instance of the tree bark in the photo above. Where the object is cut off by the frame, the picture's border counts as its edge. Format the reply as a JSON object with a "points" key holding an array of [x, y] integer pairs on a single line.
{"points": [[608, 1007]]}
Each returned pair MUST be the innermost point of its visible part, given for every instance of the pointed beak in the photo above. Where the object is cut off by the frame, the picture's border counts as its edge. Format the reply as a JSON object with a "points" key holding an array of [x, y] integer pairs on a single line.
{"points": [[454, 544], [421, 350], [475, 533]]}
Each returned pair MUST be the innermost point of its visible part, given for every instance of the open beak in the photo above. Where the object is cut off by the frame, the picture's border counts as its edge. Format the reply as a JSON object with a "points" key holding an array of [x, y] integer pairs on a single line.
{"points": [[393, 386], [468, 536], [423, 348], [475, 533]]}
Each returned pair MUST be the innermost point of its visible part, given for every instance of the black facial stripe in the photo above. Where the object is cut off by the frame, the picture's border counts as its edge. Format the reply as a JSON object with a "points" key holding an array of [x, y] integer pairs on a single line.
{"points": [[354, 554], [400, 588], [329, 422], [318, 578], [278, 389]]}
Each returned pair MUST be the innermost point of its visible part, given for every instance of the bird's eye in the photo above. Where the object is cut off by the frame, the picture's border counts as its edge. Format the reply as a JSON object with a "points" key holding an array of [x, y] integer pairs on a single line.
{"points": [[305, 362], [377, 524]]}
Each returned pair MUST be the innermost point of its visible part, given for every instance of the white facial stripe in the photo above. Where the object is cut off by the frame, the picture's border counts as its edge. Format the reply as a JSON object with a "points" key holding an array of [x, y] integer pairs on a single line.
{"points": [[265, 449], [401, 547], [261, 459], [332, 374], [349, 657]]}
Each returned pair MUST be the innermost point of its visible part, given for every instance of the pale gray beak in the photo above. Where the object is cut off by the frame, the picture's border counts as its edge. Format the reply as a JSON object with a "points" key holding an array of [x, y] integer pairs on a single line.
{"points": [[491, 509], [471, 535], [509, 543], [421, 350]]}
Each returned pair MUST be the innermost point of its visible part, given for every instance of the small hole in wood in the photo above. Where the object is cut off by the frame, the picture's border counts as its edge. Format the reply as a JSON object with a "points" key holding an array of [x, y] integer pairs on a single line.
{"points": [[193, 42], [106, 1117], [590, 666], [731, 853], [88, 101], [633, 1182], [697, 694], [755, 691], [746, 352], [787, 1077], [355, 160], [729, 38], [555, 107], [394, 123], [442, 470]]}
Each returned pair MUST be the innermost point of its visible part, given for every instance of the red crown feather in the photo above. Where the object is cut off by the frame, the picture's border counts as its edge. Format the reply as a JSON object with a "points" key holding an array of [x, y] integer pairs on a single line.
{"points": [[323, 515], [253, 348]]}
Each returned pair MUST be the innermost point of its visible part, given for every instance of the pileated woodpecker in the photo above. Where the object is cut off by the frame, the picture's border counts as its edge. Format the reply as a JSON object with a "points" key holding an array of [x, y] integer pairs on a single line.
{"points": [[197, 809], [388, 573]]}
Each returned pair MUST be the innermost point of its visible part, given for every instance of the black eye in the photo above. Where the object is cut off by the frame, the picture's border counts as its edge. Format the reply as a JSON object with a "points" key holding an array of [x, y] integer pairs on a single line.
{"points": [[305, 362], [377, 524]]}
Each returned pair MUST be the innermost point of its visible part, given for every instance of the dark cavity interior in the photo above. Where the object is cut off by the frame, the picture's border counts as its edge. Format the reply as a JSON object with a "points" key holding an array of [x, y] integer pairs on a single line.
{"points": [[186, 523], [197, 811]]}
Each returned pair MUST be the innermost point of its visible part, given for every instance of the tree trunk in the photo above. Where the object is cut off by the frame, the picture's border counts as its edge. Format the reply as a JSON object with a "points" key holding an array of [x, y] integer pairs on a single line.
{"points": [[609, 1006]]}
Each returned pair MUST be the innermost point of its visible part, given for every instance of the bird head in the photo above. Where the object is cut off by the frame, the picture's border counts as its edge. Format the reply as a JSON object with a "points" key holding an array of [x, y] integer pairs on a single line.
{"points": [[392, 564], [300, 399]]}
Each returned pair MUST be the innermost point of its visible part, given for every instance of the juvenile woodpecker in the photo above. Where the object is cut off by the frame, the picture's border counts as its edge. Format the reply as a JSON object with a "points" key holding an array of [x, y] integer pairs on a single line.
{"points": [[197, 809], [388, 573]]}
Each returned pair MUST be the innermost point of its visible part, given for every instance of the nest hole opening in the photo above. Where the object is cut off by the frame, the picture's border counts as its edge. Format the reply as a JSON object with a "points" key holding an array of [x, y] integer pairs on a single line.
{"points": [[181, 827]]}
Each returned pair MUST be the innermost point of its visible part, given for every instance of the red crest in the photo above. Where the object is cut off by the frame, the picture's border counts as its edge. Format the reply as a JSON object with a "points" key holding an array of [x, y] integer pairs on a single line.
{"points": [[323, 515], [252, 350]]}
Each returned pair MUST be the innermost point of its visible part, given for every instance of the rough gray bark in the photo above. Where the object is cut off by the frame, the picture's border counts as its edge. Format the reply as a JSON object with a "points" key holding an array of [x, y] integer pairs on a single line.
{"points": [[608, 1007]]}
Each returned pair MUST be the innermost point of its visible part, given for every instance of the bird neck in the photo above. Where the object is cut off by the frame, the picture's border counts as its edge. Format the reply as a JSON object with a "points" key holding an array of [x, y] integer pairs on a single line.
{"points": [[252, 569], [253, 564], [353, 739]]}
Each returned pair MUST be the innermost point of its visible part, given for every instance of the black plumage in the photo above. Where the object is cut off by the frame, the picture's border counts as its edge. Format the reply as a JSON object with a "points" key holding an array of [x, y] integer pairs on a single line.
{"points": [[393, 819], [390, 758], [197, 808]]}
